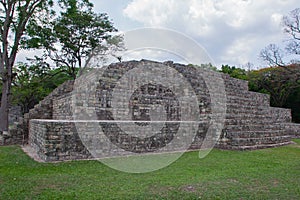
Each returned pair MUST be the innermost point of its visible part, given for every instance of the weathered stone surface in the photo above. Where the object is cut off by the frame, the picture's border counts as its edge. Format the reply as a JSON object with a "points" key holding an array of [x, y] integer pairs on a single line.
{"points": [[56, 140], [250, 123], [293, 129]]}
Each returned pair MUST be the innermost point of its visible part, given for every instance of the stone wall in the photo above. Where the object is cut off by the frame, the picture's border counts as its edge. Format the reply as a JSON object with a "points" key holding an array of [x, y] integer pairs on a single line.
{"points": [[250, 122], [56, 140]]}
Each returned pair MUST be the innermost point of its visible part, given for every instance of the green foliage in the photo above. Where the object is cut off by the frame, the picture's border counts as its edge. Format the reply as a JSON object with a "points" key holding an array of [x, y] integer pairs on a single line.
{"points": [[34, 82], [27, 89], [235, 72], [293, 102], [263, 174], [69, 38], [279, 82]]}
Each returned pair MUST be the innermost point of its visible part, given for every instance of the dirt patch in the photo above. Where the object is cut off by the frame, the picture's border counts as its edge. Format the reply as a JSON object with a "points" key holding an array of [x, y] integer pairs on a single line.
{"points": [[44, 185], [189, 188], [161, 189], [232, 181], [275, 182]]}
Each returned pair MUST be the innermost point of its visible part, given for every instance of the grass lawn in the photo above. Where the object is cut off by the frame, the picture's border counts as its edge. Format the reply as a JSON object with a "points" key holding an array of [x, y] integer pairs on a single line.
{"points": [[263, 174]]}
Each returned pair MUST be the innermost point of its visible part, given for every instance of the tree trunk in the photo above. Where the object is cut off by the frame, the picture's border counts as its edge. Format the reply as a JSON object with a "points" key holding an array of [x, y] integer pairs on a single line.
{"points": [[6, 93], [4, 109], [14, 18]]}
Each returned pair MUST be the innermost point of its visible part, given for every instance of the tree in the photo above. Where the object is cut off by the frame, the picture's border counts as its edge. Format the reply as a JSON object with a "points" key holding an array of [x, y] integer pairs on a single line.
{"points": [[292, 27], [34, 82], [109, 50], [276, 81], [274, 55], [15, 15], [69, 38], [235, 72]]}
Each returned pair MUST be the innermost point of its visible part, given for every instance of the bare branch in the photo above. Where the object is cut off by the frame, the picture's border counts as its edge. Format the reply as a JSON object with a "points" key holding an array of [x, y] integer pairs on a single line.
{"points": [[293, 47], [292, 24], [273, 55]]}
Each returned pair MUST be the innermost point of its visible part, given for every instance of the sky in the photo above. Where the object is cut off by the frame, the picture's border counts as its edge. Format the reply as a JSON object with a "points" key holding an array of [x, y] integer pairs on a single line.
{"points": [[232, 32]]}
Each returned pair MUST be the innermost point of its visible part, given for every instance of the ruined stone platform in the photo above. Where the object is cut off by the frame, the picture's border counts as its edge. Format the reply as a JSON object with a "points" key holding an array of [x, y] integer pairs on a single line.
{"points": [[249, 121]]}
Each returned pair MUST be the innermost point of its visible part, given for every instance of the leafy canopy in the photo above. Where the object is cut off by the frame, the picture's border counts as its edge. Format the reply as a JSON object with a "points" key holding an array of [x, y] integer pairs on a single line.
{"points": [[68, 39]]}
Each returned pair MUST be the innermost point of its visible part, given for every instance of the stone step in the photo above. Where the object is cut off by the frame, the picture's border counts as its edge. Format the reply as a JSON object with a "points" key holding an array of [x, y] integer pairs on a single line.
{"points": [[247, 101], [247, 106], [247, 111], [234, 107], [274, 114], [235, 91], [255, 147], [254, 121], [257, 117], [254, 96], [258, 141], [254, 134], [235, 83], [232, 129]]}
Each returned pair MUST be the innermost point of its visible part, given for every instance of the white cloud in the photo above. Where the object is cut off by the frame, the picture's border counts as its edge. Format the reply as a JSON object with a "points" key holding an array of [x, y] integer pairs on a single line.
{"points": [[239, 50], [153, 13], [233, 31]]}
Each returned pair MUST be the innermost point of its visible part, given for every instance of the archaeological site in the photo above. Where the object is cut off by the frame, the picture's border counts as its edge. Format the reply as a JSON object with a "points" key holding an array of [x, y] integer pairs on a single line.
{"points": [[104, 111]]}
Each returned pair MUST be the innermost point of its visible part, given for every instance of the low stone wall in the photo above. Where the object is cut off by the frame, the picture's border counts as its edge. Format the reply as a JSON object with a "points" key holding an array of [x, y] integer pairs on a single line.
{"points": [[56, 140]]}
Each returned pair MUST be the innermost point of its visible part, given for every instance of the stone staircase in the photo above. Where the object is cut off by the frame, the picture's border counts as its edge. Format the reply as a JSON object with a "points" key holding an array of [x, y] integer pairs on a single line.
{"points": [[250, 121]]}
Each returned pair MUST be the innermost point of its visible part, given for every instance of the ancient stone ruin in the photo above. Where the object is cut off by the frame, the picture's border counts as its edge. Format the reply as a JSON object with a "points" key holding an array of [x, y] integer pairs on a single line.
{"points": [[52, 128]]}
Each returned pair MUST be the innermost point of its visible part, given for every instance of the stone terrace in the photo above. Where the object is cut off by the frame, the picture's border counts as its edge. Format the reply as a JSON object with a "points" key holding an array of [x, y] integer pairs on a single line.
{"points": [[250, 122]]}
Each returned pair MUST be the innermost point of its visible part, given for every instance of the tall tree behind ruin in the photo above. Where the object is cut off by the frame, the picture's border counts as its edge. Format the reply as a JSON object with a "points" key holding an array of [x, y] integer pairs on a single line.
{"points": [[14, 18], [68, 39]]}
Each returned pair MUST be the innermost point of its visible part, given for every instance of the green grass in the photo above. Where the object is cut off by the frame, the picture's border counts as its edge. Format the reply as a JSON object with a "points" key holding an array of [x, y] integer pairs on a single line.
{"points": [[263, 174]]}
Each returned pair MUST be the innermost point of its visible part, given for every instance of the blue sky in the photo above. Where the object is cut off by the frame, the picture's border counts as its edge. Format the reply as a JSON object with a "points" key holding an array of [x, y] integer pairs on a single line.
{"points": [[231, 31]]}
